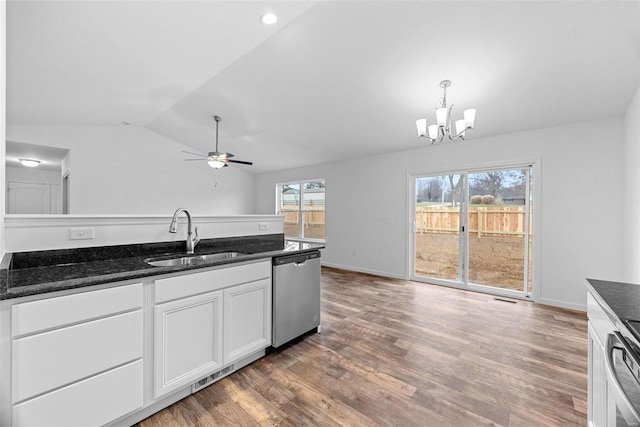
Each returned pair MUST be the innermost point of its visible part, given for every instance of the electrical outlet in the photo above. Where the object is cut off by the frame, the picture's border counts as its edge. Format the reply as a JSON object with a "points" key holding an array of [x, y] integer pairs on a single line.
{"points": [[263, 226], [81, 233], [387, 219]]}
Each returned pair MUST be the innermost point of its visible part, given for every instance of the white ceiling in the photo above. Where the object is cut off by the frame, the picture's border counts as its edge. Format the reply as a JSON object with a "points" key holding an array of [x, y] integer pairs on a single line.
{"points": [[331, 80]]}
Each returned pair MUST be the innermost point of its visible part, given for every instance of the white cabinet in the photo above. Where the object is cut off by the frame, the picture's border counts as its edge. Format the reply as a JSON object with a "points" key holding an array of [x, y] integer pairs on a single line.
{"points": [[247, 319], [70, 354], [597, 415], [206, 320], [96, 357], [599, 327], [92, 402], [188, 340]]}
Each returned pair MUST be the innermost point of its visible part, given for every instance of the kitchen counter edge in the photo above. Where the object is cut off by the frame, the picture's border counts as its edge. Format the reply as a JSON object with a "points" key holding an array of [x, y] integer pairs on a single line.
{"points": [[134, 268]]}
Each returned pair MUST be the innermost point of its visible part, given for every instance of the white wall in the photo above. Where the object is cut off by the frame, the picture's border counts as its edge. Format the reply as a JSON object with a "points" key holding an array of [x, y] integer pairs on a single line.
{"points": [[24, 174], [132, 170], [631, 196], [41, 232], [3, 103], [580, 188]]}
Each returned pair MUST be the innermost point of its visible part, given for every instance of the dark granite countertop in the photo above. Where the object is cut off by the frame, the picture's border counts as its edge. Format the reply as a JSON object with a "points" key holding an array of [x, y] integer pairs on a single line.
{"points": [[38, 272], [621, 302]]}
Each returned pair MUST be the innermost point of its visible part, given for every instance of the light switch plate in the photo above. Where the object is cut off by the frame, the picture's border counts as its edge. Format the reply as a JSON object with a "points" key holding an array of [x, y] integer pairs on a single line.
{"points": [[81, 233]]}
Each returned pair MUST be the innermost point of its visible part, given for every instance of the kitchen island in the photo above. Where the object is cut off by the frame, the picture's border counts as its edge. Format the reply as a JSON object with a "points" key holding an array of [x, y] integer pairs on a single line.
{"points": [[77, 324]]}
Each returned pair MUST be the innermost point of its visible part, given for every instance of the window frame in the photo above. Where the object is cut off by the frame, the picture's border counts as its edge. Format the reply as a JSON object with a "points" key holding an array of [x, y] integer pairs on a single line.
{"points": [[300, 208]]}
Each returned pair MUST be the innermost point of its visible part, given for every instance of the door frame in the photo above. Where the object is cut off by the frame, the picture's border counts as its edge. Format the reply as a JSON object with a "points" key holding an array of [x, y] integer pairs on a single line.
{"points": [[534, 224]]}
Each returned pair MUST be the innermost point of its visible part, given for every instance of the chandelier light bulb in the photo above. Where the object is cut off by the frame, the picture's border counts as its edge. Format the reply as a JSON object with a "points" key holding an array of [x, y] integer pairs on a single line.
{"points": [[421, 124], [470, 117], [433, 131]]}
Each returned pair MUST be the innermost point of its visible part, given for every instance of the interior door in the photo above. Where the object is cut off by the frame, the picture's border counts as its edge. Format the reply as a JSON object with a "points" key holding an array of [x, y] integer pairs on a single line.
{"points": [[28, 198]]}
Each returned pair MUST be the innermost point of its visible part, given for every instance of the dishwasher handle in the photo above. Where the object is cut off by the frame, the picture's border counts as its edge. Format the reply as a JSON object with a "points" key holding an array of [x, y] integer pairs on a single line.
{"points": [[297, 260]]}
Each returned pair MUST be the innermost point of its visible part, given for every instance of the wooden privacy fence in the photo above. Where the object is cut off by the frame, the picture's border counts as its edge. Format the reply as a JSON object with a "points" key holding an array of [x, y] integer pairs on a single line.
{"points": [[310, 218], [483, 220]]}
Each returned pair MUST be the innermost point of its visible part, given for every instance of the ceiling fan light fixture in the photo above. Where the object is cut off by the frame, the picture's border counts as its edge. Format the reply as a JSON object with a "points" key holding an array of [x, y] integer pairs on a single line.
{"points": [[30, 163], [216, 159], [216, 164]]}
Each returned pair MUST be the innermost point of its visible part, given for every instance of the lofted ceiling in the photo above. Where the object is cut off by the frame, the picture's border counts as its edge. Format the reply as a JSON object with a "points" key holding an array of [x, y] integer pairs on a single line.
{"points": [[330, 80]]}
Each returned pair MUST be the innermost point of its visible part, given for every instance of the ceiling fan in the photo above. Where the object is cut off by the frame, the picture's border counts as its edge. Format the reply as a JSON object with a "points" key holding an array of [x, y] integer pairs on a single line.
{"points": [[216, 159]]}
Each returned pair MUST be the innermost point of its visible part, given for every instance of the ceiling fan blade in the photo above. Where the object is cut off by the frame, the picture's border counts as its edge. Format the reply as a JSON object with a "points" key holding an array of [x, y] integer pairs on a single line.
{"points": [[195, 154], [239, 161], [188, 160]]}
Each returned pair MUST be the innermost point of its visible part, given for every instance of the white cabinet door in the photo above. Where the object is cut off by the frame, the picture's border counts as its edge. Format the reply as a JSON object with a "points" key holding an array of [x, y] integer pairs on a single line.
{"points": [[597, 413], [188, 341], [247, 319]]}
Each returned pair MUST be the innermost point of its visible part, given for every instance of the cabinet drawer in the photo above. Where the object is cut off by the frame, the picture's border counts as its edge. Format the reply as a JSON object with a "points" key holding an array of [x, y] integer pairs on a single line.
{"points": [[30, 317], [53, 359], [91, 402], [207, 281]]}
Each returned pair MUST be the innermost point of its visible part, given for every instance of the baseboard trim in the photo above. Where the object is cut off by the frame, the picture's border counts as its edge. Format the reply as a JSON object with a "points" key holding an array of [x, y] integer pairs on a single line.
{"points": [[562, 304], [364, 270]]}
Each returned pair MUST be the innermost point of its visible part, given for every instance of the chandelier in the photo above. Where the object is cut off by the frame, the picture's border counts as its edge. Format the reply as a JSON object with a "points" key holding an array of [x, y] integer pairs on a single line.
{"points": [[437, 132]]}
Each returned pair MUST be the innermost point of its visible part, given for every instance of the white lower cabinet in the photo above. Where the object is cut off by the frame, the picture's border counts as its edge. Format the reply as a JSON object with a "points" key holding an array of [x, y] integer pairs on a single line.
{"points": [[91, 358], [599, 327], [92, 402], [76, 360], [597, 414], [229, 318], [247, 319], [188, 340]]}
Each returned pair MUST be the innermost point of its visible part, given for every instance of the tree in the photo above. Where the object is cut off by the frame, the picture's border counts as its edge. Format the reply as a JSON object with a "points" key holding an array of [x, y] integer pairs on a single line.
{"points": [[429, 189], [454, 187]]}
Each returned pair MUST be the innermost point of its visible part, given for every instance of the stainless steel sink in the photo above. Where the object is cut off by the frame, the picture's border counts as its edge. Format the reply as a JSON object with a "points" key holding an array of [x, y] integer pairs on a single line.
{"points": [[191, 259]]}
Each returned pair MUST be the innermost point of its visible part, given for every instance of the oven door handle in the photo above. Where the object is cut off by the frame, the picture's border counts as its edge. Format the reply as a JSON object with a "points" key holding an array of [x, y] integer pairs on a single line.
{"points": [[614, 341]]}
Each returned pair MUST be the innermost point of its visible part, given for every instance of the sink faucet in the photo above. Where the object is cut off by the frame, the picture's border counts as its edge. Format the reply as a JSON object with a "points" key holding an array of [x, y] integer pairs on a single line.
{"points": [[192, 238]]}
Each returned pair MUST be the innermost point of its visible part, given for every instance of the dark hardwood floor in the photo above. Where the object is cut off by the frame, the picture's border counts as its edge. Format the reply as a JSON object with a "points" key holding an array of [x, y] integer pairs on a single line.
{"points": [[395, 352]]}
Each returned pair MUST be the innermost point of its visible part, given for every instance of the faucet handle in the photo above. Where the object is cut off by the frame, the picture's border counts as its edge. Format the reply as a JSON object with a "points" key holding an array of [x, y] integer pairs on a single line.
{"points": [[196, 239]]}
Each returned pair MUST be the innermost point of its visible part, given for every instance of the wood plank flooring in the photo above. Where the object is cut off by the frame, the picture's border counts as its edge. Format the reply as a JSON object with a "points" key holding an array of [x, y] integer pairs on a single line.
{"points": [[400, 353]]}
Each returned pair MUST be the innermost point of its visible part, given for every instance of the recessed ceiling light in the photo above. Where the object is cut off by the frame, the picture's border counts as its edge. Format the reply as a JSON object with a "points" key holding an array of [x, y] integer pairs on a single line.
{"points": [[30, 163], [269, 18]]}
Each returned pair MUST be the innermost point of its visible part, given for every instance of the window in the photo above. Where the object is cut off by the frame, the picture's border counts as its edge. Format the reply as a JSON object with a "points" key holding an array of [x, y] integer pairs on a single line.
{"points": [[302, 204]]}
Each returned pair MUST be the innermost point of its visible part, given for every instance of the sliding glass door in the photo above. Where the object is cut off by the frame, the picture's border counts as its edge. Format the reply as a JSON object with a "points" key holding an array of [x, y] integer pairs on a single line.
{"points": [[438, 227], [472, 229]]}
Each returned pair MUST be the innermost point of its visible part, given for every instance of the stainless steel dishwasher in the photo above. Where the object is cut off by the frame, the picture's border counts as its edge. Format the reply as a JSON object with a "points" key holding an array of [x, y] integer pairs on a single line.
{"points": [[296, 296]]}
